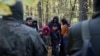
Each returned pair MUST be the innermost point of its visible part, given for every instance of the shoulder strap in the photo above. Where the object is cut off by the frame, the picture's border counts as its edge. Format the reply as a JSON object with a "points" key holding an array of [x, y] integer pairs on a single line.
{"points": [[85, 36]]}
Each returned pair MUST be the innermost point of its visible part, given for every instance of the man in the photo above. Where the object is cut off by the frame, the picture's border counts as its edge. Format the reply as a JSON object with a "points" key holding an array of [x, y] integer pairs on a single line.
{"points": [[75, 36], [55, 39], [29, 21], [55, 20], [17, 39], [35, 24]]}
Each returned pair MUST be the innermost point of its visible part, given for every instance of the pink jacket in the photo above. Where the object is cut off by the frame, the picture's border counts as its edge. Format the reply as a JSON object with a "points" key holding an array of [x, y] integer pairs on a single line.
{"points": [[46, 30]]}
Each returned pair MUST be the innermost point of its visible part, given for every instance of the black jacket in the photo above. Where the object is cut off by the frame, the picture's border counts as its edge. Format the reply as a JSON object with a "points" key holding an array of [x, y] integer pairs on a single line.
{"points": [[55, 37], [57, 22]]}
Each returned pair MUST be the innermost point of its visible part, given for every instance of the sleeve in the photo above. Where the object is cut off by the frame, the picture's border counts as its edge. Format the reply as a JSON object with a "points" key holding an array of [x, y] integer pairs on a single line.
{"points": [[38, 44], [69, 43], [60, 27], [48, 30], [59, 37], [64, 30]]}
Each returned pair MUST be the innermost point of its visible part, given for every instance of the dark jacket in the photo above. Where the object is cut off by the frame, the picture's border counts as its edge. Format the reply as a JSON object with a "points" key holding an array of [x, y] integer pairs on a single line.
{"points": [[57, 22], [35, 26], [17, 39], [75, 37], [55, 37]]}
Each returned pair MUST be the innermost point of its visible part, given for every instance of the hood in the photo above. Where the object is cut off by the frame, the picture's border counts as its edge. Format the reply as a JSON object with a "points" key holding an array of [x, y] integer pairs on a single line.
{"points": [[96, 14], [46, 30], [96, 5], [57, 18], [96, 8], [28, 18], [17, 12], [34, 20]]}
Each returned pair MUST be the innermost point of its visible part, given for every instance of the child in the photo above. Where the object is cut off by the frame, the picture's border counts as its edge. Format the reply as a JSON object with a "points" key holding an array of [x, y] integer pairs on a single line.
{"points": [[55, 39], [46, 35]]}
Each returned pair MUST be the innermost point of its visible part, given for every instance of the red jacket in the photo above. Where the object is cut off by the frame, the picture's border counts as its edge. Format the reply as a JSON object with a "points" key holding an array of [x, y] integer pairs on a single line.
{"points": [[46, 30]]}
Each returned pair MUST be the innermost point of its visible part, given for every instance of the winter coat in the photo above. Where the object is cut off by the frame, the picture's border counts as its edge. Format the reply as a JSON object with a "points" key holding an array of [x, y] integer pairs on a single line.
{"points": [[55, 37], [46, 30], [17, 39], [75, 41], [57, 22], [64, 30]]}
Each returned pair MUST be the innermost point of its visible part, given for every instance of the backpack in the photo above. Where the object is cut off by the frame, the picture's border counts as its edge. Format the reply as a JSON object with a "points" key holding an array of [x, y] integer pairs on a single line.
{"points": [[87, 49]]}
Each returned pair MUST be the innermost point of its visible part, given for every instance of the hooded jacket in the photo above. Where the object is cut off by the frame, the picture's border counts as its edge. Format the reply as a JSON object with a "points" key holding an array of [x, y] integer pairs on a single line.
{"points": [[35, 26], [46, 30], [17, 39], [57, 22]]}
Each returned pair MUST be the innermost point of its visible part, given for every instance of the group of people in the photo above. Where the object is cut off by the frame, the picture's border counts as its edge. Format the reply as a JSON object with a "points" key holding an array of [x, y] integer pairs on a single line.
{"points": [[53, 34], [25, 39]]}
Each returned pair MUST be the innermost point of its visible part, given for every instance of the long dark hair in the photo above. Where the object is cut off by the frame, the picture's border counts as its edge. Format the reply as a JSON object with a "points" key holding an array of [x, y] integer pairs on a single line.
{"points": [[64, 21]]}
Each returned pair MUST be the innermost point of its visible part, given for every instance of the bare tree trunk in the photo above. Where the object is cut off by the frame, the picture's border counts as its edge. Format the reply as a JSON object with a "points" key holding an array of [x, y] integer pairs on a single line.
{"points": [[72, 10], [83, 10], [47, 12], [40, 14]]}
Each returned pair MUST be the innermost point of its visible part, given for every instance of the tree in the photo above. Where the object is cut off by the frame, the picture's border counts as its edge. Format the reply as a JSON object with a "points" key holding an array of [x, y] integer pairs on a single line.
{"points": [[47, 11], [83, 8], [40, 14]]}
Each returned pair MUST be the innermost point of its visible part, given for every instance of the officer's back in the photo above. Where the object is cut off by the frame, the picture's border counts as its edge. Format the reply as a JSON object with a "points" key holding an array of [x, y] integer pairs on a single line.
{"points": [[17, 39], [75, 38]]}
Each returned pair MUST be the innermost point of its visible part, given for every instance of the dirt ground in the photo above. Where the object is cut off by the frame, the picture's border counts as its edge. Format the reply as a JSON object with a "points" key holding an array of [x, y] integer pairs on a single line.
{"points": [[50, 51]]}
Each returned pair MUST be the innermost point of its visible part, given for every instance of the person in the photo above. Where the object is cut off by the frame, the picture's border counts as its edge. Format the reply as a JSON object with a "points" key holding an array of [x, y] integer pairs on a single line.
{"points": [[55, 40], [75, 41], [35, 24], [50, 24], [55, 20], [17, 39], [32, 23], [64, 35], [40, 32], [29, 21], [46, 35]]}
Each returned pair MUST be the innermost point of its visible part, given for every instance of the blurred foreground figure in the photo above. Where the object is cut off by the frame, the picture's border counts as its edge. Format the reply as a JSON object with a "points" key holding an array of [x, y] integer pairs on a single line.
{"points": [[76, 40], [17, 39]]}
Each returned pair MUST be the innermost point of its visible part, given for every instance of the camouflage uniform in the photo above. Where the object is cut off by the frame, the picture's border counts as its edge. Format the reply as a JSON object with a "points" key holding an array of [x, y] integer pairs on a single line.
{"points": [[17, 39]]}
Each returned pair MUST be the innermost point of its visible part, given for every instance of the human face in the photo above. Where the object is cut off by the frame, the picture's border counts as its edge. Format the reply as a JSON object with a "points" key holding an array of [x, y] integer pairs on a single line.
{"points": [[29, 22], [35, 23], [55, 20]]}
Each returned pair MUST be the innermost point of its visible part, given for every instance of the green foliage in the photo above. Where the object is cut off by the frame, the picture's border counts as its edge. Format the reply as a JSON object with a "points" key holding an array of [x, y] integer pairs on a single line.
{"points": [[63, 8]]}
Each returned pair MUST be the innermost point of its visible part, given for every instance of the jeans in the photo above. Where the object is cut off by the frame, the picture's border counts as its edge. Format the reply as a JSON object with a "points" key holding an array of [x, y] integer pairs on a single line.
{"points": [[55, 50], [63, 46]]}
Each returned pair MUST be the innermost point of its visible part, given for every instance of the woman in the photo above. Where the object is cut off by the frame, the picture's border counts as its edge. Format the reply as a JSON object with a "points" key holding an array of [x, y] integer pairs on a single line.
{"points": [[64, 33]]}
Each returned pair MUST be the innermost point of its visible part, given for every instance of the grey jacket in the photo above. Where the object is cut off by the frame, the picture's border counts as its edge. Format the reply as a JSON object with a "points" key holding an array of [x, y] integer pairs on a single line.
{"points": [[17, 39], [20, 40], [75, 37]]}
